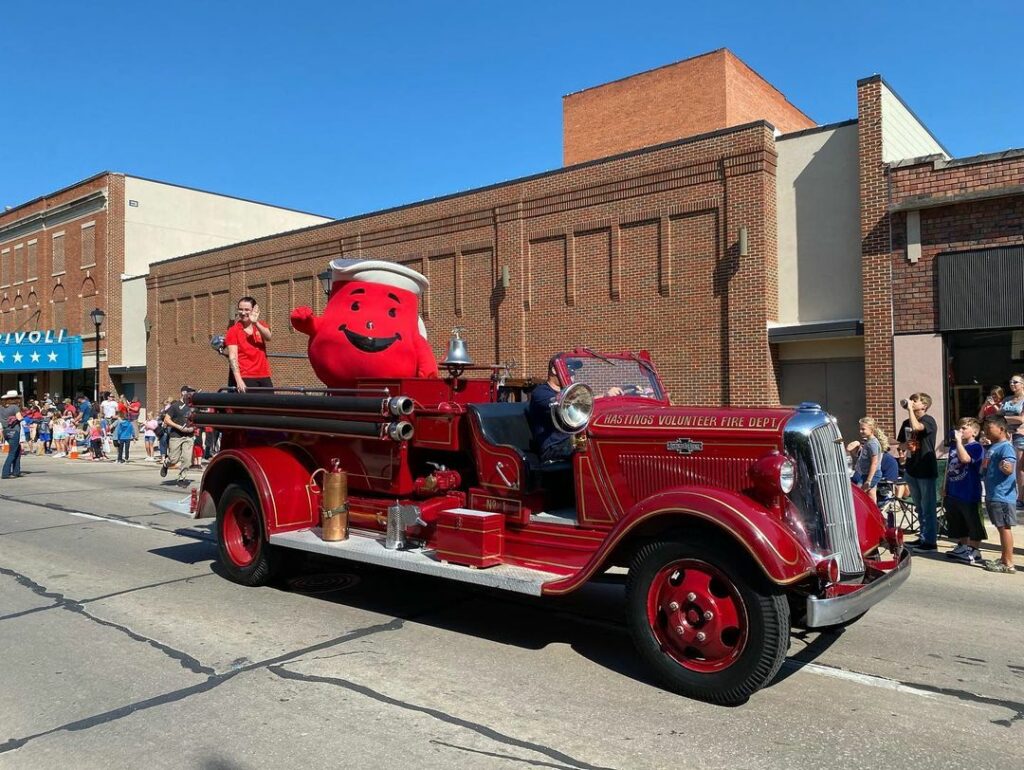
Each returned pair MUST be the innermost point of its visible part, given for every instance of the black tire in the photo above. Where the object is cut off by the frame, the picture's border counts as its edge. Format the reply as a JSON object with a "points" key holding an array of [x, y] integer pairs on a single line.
{"points": [[245, 555], [745, 640]]}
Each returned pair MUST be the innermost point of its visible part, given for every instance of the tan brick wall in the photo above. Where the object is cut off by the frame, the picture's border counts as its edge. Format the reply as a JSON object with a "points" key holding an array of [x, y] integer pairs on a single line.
{"points": [[634, 252], [706, 93]]}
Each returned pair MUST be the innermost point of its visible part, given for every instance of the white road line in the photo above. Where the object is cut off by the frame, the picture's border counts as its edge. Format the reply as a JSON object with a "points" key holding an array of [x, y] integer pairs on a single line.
{"points": [[866, 679], [104, 518]]}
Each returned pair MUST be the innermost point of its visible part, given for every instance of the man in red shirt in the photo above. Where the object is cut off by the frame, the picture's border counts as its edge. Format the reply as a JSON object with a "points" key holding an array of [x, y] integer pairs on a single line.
{"points": [[246, 342]]}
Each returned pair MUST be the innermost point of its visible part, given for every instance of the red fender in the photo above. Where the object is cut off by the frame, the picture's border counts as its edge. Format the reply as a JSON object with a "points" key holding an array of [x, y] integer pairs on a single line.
{"points": [[280, 479], [870, 524], [773, 547]]}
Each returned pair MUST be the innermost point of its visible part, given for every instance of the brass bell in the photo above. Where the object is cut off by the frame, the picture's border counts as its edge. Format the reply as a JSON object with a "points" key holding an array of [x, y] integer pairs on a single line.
{"points": [[458, 356]]}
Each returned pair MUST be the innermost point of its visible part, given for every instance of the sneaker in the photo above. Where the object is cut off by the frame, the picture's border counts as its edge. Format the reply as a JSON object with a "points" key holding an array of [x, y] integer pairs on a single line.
{"points": [[996, 565], [958, 552], [976, 557], [163, 470], [967, 555], [922, 547]]}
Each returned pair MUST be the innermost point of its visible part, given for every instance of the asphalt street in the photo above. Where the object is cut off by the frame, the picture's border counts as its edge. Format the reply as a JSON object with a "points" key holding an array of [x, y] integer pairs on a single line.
{"points": [[123, 647]]}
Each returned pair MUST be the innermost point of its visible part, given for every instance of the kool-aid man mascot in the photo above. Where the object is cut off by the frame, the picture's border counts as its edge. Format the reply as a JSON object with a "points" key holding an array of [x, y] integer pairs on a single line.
{"points": [[371, 326]]}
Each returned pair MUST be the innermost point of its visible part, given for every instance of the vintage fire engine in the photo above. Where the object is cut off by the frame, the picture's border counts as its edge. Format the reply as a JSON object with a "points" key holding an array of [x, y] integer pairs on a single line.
{"points": [[735, 524]]}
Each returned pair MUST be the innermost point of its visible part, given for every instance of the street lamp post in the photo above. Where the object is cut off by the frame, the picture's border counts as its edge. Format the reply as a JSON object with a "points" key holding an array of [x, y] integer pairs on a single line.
{"points": [[97, 317]]}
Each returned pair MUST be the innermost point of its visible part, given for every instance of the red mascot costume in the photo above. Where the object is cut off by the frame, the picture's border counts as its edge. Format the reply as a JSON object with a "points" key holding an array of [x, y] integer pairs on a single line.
{"points": [[371, 326]]}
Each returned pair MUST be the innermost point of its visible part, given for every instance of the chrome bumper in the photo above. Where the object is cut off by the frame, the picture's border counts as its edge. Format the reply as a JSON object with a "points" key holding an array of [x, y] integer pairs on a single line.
{"points": [[831, 612]]}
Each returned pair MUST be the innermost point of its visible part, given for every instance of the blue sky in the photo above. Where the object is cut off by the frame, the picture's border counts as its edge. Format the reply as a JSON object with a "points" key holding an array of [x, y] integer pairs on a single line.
{"points": [[340, 108]]}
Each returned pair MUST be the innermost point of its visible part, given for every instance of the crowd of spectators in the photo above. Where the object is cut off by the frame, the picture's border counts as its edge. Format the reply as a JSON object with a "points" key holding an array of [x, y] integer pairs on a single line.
{"points": [[984, 471], [106, 431]]}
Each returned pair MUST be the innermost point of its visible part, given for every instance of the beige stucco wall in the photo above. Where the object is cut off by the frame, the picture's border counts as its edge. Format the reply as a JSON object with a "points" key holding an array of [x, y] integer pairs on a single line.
{"points": [[818, 226], [918, 368], [903, 135], [133, 327], [170, 221]]}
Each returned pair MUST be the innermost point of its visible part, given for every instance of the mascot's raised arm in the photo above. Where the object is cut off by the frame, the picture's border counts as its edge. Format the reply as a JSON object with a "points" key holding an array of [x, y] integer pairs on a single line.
{"points": [[371, 326]]}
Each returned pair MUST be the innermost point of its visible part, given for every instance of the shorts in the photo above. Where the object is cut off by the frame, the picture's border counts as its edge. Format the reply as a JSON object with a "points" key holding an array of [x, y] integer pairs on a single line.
{"points": [[963, 519], [1000, 513], [150, 439], [266, 382]]}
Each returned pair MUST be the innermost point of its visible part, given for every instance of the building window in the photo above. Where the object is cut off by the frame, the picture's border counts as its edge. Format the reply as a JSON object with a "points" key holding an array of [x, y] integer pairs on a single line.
{"points": [[5, 267], [58, 253], [32, 261], [88, 245], [18, 275], [58, 313], [90, 296]]}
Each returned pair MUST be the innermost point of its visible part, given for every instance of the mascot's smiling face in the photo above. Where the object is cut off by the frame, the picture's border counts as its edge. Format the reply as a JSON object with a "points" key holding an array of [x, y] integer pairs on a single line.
{"points": [[367, 330], [360, 308]]}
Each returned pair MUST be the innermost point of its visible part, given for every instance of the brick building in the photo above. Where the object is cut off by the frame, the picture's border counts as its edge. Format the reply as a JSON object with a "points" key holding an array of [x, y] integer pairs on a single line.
{"points": [[89, 246], [700, 216]]}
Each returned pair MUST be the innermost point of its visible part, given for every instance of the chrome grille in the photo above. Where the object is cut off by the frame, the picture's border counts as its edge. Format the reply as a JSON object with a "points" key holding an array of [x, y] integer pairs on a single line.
{"points": [[835, 497]]}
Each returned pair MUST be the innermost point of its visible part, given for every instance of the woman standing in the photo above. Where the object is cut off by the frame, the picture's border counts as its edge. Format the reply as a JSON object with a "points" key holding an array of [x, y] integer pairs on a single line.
{"points": [[10, 423], [246, 342], [992, 403], [1013, 410]]}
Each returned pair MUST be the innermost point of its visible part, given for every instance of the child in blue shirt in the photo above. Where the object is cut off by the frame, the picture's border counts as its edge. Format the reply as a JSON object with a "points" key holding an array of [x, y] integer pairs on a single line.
{"points": [[1000, 475], [963, 492]]}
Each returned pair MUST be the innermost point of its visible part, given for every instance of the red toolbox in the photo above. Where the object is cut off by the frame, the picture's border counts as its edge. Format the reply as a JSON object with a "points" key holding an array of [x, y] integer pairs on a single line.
{"points": [[473, 538]]}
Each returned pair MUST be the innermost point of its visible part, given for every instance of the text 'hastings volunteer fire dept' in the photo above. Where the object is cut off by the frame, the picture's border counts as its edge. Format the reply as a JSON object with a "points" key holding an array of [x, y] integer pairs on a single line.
{"points": [[693, 421]]}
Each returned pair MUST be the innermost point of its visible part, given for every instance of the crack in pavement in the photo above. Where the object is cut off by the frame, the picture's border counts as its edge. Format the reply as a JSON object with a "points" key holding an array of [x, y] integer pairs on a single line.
{"points": [[186, 660], [487, 732], [212, 681], [104, 596], [496, 755]]}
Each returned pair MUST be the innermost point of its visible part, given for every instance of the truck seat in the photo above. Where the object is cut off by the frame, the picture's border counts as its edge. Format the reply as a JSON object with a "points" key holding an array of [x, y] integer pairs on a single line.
{"points": [[504, 427]]}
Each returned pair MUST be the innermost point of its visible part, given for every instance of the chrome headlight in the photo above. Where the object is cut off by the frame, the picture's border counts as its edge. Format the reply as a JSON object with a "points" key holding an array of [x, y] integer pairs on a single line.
{"points": [[572, 410]]}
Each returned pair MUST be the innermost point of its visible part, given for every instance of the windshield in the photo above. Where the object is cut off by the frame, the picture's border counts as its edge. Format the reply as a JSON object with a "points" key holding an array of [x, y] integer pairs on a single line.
{"points": [[601, 374]]}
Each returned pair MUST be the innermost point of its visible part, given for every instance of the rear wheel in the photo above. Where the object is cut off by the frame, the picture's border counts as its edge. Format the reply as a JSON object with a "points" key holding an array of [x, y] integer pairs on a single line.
{"points": [[705, 621], [245, 554]]}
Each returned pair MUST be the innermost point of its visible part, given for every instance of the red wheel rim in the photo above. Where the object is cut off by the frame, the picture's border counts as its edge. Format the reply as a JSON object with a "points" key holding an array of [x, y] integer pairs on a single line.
{"points": [[697, 615], [241, 533]]}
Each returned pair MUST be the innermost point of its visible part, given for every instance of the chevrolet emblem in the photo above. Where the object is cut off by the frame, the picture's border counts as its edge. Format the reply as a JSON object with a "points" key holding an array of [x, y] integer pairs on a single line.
{"points": [[685, 446]]}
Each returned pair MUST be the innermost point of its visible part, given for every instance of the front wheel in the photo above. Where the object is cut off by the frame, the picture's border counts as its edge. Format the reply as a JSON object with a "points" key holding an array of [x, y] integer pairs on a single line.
{"points": [[705, 621], [245, 554]]}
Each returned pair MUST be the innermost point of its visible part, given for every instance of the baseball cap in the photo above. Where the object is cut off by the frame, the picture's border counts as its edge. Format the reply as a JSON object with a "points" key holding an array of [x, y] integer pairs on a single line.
{"points": [[187, 389]]}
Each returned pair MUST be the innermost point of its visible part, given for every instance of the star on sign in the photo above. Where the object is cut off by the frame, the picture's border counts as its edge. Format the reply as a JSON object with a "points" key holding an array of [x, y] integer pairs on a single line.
{"points": [[52, 355], [35, 356], [17, 358]]}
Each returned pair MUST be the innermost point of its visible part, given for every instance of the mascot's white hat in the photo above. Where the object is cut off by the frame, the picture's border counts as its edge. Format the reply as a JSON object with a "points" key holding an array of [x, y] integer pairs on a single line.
{"points": [[378, 271]]}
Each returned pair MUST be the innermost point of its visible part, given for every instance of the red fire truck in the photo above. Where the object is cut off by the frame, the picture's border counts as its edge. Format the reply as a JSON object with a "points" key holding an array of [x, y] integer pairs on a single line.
{"points": [[734, 524]]}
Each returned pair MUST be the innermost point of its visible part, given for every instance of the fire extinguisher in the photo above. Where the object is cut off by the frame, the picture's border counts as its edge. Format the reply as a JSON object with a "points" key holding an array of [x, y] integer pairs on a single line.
{"points": [[334, 503]]}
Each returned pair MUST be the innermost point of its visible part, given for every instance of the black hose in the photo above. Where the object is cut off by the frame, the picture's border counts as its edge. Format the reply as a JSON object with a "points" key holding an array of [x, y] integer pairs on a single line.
{"points": [[291, 424], [292, 403]]}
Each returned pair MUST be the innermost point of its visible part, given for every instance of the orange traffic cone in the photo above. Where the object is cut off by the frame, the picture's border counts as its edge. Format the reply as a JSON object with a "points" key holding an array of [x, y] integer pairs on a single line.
{"points": [[73, 454]]}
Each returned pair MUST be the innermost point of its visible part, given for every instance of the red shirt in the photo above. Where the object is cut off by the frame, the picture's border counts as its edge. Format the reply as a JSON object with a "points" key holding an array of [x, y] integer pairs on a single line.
{"points": [[252, 351]]}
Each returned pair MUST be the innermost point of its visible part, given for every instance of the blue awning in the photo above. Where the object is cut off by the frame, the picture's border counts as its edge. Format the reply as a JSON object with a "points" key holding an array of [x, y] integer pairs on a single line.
{"points": [[39, 351]]}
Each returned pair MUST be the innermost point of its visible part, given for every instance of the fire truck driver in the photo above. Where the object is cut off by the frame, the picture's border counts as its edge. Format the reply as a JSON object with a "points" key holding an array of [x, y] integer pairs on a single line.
{"points": [[552, 444]]}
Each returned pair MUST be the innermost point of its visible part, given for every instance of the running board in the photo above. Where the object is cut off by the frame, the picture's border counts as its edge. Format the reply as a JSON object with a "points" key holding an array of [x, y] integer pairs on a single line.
{"points": [[371, 550]]}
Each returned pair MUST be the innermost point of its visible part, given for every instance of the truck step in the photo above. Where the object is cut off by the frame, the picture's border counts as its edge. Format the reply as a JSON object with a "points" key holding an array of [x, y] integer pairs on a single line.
{"points": [[369, 548]]}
